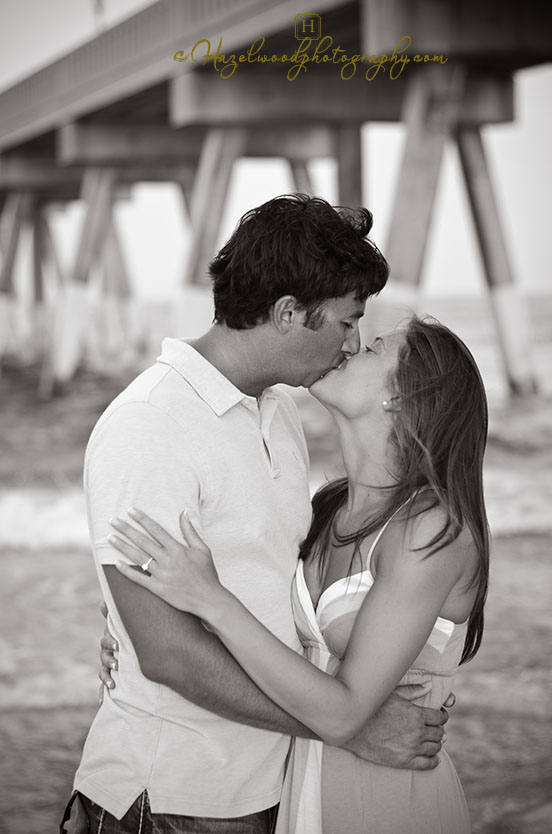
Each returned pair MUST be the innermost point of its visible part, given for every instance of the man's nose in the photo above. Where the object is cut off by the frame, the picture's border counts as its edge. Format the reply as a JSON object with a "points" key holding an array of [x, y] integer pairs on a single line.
{"points": [[351, 345]]}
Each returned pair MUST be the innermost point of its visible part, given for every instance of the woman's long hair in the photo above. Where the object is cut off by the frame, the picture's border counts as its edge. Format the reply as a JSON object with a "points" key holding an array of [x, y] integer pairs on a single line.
{"points": [[439, 434]]}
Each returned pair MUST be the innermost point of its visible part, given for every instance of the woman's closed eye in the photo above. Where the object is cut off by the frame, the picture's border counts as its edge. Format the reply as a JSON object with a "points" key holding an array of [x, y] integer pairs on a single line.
{"points": [[378, 341]]}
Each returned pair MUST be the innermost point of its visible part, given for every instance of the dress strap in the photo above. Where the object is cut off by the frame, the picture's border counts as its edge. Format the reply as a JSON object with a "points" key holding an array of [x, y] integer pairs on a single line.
{"points": [[380, 533]]}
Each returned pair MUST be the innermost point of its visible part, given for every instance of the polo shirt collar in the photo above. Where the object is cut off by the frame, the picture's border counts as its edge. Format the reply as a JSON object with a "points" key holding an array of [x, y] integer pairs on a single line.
{"points": [[212, 386]]}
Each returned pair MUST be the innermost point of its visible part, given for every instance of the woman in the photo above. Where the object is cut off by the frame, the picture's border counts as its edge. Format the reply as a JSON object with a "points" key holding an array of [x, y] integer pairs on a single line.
{"points": [[389, 589]]}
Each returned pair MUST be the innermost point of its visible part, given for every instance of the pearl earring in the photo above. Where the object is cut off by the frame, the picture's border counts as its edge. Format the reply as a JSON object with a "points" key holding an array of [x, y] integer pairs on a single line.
{"points": [[390, 404]]}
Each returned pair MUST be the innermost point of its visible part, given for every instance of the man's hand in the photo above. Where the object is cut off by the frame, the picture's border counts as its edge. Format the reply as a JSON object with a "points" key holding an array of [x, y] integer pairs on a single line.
{"points": [[108, 661], [402, 735]]}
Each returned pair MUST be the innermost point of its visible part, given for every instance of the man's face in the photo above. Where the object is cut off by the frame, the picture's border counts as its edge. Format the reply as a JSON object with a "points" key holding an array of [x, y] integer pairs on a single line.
{"points": [[315, 352]]}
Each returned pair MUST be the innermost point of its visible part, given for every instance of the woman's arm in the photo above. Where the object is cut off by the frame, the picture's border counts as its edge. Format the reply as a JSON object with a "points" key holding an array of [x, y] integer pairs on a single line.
{"points": [[391, 628]]}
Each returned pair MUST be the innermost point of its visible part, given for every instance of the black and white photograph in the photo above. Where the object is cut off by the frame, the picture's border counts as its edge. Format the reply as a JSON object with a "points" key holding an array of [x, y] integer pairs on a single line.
{"points": [[275, 417]]}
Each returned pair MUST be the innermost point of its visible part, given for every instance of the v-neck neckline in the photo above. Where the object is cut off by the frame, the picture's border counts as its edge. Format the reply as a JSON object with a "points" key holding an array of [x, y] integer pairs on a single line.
{"points": [[367, 570], [318, 605]]}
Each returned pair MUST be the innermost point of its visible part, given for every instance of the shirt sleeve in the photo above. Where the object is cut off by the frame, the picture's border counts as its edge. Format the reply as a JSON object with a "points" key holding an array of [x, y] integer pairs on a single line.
{"points": [[139, 456]]}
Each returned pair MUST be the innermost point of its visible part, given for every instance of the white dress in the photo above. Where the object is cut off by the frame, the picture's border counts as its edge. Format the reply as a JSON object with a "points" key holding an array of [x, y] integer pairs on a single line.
{"points": [[330, 791]]}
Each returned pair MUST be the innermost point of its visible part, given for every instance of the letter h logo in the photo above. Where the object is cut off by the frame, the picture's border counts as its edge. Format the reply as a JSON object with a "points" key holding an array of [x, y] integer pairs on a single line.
{"points": [[308, 26]]}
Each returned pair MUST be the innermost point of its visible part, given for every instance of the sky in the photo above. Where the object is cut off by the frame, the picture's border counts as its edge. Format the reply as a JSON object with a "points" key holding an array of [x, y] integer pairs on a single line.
{"points": [[154, 227]]}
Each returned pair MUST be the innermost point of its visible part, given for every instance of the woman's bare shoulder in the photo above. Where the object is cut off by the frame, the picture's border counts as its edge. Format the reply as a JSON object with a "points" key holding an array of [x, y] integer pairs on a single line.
{"points": [[423, 535], [413, 556]]}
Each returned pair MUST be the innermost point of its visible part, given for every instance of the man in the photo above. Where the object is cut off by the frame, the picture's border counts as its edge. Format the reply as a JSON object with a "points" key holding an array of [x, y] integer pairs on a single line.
{"points": [[185, 742]]}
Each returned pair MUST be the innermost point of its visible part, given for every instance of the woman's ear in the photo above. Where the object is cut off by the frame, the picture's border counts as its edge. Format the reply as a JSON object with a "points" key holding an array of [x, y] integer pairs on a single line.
{"points": [[283, 313], [391, 404]]}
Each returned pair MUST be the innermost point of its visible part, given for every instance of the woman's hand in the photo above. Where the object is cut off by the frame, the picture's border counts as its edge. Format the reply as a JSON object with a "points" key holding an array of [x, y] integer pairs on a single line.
{"points": [[183, 574]]}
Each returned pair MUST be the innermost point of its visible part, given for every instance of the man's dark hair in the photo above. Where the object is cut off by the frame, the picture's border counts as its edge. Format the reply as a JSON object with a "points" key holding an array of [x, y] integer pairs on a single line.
{"points": [[295, 245]]}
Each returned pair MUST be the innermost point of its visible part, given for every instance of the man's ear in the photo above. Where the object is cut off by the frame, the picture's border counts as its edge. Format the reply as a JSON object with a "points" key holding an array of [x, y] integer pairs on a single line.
{"points": [[283, 313]]}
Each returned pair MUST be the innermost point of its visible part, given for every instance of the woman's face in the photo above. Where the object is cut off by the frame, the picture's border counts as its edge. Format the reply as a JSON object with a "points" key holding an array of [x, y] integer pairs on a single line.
{"points": [[360, 385]]}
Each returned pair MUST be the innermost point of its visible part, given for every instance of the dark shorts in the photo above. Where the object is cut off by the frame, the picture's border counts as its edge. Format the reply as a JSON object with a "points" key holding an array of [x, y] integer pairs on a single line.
{"points": [[85, 817]]}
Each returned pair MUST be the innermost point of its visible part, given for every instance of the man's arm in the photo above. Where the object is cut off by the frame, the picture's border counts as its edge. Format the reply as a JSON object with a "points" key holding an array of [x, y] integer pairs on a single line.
{"points": [[174, 649], [177, 651]]}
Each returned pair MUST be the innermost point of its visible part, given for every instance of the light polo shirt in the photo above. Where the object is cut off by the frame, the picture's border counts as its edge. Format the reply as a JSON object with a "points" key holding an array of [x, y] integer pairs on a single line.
{"points": [[181, 436]]}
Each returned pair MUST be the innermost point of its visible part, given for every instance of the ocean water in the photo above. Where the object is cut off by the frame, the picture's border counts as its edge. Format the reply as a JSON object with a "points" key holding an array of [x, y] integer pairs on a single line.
{"points": [[518, 467], [50, 622]]}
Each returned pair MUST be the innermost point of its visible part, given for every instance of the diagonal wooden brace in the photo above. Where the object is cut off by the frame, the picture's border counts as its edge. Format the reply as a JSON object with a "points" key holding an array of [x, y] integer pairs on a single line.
{"points": [[432, 107]]}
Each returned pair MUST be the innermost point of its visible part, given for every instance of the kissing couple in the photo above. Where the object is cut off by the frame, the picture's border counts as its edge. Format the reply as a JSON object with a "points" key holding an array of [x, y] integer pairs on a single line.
{"points": [[274, 664]]}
